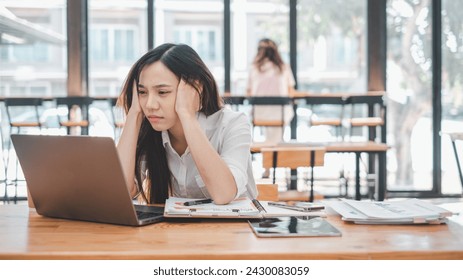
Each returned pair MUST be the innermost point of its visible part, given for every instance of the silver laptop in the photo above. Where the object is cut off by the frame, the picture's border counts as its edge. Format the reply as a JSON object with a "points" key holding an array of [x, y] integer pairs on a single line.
{"points": [[79, 178]]}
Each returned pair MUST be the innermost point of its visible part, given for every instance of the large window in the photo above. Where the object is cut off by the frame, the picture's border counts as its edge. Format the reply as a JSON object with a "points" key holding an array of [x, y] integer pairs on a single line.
{"points": [[251, 21], [452, 89], [198, 24], [109, 44], [409, 88], [203, 39], [117, 38], [33, 48], [331, 45], [331, 57]]}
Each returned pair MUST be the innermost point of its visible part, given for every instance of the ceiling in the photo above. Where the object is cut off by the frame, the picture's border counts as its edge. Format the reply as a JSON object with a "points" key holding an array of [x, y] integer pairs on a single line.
{"points": [[14, 30]]}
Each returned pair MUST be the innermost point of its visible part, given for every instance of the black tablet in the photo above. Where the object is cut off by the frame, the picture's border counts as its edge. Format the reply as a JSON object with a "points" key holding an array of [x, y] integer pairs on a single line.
{"points": [[301, 226]]}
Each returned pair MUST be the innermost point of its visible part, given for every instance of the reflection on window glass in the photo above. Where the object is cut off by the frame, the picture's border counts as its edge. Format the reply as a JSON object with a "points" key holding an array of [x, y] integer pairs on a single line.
{"points": [[98, 45], [37, 52], [117, 38], [202, 40], [331, 45], [38, 91], [197, 24], [33, 48], [452, 89], [124, 49], [251, 21], [409, 90]]}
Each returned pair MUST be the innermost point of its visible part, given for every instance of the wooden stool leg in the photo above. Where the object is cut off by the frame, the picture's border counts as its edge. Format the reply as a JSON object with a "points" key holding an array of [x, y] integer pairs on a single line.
{"points": [[274, 163], [312, 165]]}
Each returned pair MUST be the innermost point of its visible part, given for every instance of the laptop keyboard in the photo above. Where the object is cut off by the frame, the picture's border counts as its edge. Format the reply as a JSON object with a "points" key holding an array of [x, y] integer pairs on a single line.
{"points": [[145, 215]]}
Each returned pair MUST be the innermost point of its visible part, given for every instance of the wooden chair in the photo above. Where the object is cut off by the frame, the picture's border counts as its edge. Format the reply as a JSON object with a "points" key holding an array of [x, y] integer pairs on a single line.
{"points": [[294, 157], [269, 101], [72, 103], [22, 113], [118, 121], [267, 192], [23, 105]]}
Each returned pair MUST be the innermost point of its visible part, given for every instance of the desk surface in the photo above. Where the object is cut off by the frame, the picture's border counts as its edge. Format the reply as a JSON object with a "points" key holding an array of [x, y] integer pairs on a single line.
{"points": [[26, 235], [338, 94], [331, 147]]}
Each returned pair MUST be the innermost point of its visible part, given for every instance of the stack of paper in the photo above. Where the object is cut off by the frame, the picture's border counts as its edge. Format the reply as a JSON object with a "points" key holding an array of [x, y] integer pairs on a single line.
{"points": [[411, 211]]}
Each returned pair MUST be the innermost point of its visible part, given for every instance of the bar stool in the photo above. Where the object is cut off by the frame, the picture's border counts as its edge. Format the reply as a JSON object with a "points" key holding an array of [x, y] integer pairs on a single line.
{"points": [[76, 114], [371, 122], [335, 122], [18, 112], [280, 101]]}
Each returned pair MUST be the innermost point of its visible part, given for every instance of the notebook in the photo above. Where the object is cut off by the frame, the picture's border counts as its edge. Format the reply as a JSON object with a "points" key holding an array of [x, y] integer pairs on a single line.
{"points": [[79, 178], [239, 208]]}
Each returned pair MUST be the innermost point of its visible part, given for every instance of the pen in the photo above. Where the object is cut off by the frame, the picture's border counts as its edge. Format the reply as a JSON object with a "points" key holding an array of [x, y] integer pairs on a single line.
{"points": [[298, 208], [258, 205], [196, 202]]}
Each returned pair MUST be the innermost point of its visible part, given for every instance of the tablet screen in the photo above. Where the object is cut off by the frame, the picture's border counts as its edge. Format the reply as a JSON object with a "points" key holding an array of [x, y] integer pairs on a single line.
{"points": [[293, 227]]}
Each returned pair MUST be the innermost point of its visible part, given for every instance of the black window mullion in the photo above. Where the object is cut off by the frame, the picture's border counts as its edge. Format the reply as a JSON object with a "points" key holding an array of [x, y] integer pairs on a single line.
{"points": [[436, 94], [226, 43], [150, 28]]}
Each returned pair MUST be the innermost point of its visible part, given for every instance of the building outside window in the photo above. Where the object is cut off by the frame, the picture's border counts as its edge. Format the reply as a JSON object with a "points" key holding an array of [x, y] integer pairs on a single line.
{"points": [[198, 24], [251, 21], [117, 38]]}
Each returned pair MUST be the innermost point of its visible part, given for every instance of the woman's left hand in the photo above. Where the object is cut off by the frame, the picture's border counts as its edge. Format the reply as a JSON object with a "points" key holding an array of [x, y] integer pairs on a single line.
{"points": [[187, 102]]}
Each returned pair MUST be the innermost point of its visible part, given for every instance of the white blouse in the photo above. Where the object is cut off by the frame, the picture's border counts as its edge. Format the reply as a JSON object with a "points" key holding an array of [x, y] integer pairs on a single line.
{"points": [[229, 132]]}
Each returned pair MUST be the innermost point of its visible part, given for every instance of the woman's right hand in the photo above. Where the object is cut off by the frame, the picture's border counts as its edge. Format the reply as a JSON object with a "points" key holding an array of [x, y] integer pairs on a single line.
{"points": [[127, 144]]}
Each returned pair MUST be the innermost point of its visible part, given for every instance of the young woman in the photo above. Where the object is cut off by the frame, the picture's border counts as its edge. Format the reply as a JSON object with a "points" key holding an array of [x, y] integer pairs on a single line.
{"points": [[178, 140], [270, 76]]}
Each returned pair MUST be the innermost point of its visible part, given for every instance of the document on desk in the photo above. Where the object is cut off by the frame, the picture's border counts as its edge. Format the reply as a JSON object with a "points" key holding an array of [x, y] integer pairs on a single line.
{"points": [[240, 208], [410, 211]]}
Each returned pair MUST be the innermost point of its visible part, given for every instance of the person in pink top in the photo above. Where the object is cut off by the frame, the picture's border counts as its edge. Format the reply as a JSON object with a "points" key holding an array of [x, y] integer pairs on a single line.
{"points": [[270, 76]]}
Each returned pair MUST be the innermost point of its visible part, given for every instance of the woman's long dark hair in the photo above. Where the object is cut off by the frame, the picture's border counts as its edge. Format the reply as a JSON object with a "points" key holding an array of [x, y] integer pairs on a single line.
{"points": [[268, 50], [186, 64]]}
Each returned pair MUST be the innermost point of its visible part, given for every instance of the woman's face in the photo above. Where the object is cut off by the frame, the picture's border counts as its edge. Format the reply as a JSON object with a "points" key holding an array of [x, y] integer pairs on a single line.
{"points": [[157, 94]]}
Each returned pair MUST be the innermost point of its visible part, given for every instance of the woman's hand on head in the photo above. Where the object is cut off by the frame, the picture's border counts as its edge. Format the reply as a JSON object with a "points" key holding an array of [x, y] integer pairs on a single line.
{"points": [[187, 102], [135, 107]]}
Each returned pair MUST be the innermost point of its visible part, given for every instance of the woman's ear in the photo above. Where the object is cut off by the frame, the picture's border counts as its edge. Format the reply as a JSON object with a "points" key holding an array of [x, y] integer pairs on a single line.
{"points": [[199, 87]]}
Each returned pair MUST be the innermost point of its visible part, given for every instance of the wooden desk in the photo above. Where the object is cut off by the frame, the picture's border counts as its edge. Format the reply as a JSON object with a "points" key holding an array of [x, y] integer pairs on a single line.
{"points": [[351, 147], [26, 235]]}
